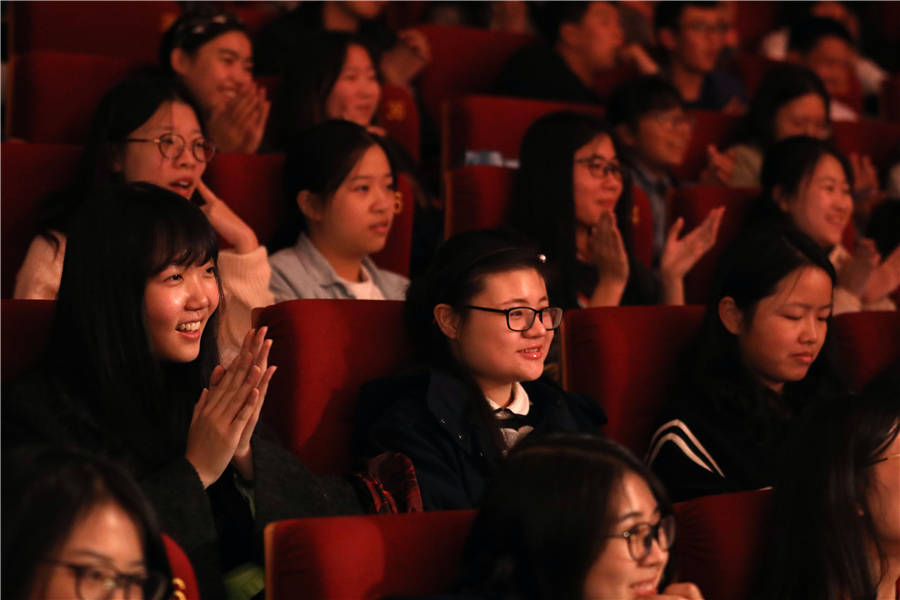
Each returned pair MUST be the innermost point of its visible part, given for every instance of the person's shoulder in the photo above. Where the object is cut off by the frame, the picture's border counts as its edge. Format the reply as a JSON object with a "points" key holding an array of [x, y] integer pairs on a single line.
{"points": [[583, 407]]}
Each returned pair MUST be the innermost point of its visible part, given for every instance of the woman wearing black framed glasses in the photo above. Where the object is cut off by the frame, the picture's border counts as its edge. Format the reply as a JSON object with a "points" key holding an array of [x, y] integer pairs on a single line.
{"points": [[482, 324]]}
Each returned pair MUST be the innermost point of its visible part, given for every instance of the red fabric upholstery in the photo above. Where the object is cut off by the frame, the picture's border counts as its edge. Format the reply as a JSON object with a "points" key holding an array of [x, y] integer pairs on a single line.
{"points": [[890, 98], [399, 116], [55, 95], [694, 203], [478, 196], [325, 350], [496, 123], [751, 69], [122, 29], [867, 343], [721, 540], [25, 329], [754, 20], [184, 582], [709, 128], [464, 60], [878, 139], [253, 186], [363, 558], [626, 357], [30, 172]]}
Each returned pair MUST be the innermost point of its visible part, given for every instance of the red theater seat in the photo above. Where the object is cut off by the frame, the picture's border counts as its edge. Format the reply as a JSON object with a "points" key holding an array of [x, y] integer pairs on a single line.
{"points": [[325, 350], [694, 203], [878, 139], [30, 172], [890, 98], [399, 116], [54, 95], [26, 327], [364, 558], [464, 60], [709, 128], [721, 541], [626, 358], [496, 123], [478, 196], [253, 186], [184, 582], [122, 29], [867, 343]]}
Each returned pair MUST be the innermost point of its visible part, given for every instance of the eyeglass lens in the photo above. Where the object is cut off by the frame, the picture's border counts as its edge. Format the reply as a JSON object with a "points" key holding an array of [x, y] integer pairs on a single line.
{"points": [[521, 319], [641, 539], [172, 145]]}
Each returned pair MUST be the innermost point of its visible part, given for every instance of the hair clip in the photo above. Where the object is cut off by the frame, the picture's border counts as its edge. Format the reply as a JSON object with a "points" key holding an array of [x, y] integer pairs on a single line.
{"points": [[542, 258]]}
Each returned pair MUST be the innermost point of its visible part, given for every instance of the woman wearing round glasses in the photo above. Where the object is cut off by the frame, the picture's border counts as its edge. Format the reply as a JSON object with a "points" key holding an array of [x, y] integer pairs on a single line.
{"points": [[572, 197], [574, 517], [146, 129], [481, 321]]}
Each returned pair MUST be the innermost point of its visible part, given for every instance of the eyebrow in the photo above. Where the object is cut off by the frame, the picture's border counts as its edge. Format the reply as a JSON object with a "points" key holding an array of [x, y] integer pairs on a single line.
{"points": [[804, 305], [523, 301], [369, 177]]}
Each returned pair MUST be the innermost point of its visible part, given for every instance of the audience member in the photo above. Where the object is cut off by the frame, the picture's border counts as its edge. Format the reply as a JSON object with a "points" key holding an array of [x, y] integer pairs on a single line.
{"points": [[481, 323], [342, 197], [77, 526], [210, 51], [401, 56], [826, 47], [759, 358], [791, 100], [807, 182], [582, 40], [649, 118], [573, 198], [129, 373], [576, 517], [836, 530], [146, 129], [693, 37]]}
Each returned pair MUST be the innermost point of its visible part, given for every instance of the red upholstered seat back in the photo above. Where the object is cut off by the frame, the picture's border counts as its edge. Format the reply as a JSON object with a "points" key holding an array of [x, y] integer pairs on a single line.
{"points": [[54, 95], [693, 203], [122, 29], [478, 197], [890, 98], [709, 128], [867, 344], [363, 558], [626, 358], [26, 327], [721, 540], [399, 116], [30, 172], [184, 582], [496, 123], [325, 350], [878, 139], [464, 60]]}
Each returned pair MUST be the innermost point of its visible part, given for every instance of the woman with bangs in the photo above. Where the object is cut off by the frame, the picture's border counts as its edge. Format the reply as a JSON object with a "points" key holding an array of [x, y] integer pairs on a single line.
{"points": [[147, 129], [131, 372]]}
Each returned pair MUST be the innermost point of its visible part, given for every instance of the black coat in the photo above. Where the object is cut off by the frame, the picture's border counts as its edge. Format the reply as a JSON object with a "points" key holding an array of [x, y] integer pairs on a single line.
{"points": [[214, 526], [424, 415]]}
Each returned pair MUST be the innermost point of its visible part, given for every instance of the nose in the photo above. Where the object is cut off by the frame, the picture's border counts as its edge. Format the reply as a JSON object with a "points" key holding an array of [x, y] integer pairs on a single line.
{"points": [[198, 294], [384, 200], [809, 333], [186, 159], [537, 329]]}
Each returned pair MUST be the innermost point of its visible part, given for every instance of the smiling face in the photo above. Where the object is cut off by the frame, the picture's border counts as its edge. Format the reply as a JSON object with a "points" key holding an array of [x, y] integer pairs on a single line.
{"points": [[593, 191], [781, 339], [822, 205], [356, 92], [700, 38], [597, 37], [615, 574], [105, 539], [662, 137], [804, 115], [142, 161], [495, 355], [832, 60], [178, 303], [356, 220], [217, 70]]}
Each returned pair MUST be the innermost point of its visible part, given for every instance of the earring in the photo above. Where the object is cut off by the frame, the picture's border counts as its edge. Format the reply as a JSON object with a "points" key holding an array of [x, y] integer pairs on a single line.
{"points": [[398, 202]]}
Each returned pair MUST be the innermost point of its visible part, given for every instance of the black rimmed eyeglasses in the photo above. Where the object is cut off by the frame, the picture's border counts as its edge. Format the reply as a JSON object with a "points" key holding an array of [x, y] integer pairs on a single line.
{"points": [[521, 318], [171, 145], [96, 582], [640, 537], [599, 167]]}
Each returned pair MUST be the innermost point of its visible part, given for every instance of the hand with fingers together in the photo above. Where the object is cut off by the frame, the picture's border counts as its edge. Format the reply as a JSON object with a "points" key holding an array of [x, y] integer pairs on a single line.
{"points": [[227, 409], [238, 124], [606, 250], [679, 255], [226, 223], [259, 348]]}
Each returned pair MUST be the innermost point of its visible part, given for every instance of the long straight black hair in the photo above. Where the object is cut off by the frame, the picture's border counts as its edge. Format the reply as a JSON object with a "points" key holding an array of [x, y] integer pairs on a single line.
{"points": [[824, 528], [543, 201], [100, 347], [545, 516]]}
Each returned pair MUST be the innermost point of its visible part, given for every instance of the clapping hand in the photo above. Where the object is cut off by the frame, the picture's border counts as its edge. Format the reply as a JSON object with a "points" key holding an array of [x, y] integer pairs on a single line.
{"points": [[679, 255], [238, 124]]}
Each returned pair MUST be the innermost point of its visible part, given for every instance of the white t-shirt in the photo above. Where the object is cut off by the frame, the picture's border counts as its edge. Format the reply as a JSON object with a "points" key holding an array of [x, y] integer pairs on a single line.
{"points": [[365, 289]]}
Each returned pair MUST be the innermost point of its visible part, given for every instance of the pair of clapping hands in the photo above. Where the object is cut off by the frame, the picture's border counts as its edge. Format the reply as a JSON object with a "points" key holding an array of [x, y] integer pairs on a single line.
{"points": [[238, 124]]}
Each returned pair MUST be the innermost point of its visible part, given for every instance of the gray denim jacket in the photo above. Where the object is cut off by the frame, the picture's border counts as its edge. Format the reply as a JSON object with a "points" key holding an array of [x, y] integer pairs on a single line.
{"points": [[302, 272]]}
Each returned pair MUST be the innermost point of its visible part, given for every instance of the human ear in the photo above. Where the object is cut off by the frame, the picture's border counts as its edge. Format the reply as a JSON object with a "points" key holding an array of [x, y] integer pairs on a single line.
{"points": [[447, 320], [568, 34], [731, 316], [180, 60], [309, 205], [780, 198]]}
